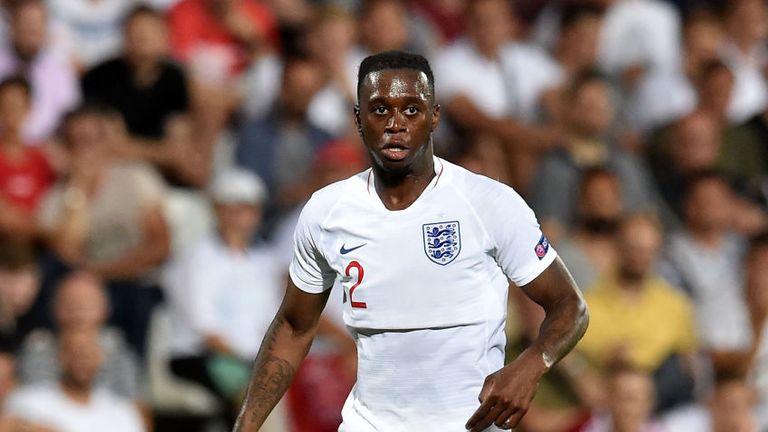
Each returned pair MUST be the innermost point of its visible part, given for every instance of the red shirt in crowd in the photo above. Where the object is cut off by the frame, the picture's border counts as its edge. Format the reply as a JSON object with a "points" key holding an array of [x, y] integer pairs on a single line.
{"points": [[24, 180], [194, 29]]}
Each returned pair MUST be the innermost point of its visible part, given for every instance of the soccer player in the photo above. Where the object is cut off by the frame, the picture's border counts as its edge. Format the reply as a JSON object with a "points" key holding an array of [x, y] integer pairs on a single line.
{"points": [[423, 250]]}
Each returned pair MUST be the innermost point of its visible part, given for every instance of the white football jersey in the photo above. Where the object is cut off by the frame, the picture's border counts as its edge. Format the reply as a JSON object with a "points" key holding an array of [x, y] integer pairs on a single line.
{"points": [[425, 290]]}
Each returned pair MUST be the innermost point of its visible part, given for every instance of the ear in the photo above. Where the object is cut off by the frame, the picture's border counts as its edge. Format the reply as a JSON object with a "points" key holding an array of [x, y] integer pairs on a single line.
{"points": [[435, 117], [357, 120]]}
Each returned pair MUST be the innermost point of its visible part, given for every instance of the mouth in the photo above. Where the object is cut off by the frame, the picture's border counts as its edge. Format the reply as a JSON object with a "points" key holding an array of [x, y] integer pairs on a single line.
{"points": [[394, 152]]}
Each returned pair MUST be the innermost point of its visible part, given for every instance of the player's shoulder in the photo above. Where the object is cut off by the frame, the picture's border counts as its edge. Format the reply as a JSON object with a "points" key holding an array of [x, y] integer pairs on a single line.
{"points": [[324, 200], [472, 184]]}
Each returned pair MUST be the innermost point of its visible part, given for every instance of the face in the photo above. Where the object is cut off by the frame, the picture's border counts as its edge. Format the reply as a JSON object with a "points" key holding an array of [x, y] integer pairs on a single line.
{"points": [[696, 145], [14, 107], [708, 205], [146, 38], [631, 400], [731, 408], [580, 40], [301, 81], [397, 115], [19, 289], [331, 39], [592, 109], [384, 27], [84, 133], [749, 20], [601, 198], [80, 357], [30, 29], [638, 248], [241, 220], [715, 92], [490, 24], [80, 304], [703, 41]]}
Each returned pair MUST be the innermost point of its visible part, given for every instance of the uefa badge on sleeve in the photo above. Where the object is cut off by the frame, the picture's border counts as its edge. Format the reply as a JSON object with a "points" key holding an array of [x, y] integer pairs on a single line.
{"points": [[442, 241], [542, 247]]}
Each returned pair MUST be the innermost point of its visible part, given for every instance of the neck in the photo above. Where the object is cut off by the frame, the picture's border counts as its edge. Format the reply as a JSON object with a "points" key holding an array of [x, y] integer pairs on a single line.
{"points": [[399, 190], [710, 238], [78, 393], [12, 139], [234, 241], [144, 71]]}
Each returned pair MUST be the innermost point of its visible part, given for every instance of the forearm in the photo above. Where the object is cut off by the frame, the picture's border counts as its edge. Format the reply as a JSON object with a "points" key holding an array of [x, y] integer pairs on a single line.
{"points": [[566, 318], [282, 351], [135, 262]]}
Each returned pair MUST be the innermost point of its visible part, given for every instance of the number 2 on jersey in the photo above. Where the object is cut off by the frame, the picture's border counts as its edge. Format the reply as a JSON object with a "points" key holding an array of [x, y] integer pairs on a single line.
{"points": [[360, 272]]}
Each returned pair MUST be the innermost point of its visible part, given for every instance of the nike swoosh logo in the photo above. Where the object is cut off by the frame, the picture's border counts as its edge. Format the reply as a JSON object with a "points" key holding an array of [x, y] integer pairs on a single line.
{"points": [[345, 251]]}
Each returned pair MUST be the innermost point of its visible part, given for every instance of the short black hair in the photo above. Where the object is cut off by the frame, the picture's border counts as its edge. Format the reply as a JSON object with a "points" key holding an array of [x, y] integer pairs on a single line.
{"points": [[17, 81], [395, 60], [574, 12], [141, 10]]}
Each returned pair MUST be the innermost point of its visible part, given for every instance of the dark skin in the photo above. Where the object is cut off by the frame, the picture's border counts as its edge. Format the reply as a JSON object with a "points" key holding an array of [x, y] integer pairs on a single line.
{"points": [[396, 117]]}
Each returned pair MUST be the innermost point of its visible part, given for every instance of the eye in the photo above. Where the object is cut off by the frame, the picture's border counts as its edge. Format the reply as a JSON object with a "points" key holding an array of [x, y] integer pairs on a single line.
{"points": [[411, 110], [380, 110]]}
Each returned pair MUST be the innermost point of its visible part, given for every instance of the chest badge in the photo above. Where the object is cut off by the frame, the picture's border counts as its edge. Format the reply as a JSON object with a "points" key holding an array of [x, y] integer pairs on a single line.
{"points": [[442, 241]]}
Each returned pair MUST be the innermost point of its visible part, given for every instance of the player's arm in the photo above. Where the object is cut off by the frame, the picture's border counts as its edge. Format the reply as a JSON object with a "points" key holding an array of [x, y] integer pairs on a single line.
{"points": [[284, 347], [507, 394]]}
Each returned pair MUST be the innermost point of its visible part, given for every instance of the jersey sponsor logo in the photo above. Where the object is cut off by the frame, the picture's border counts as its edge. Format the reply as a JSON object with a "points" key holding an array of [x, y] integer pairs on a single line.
{"points": [[345, 251], [542, 247], [442, 241]]}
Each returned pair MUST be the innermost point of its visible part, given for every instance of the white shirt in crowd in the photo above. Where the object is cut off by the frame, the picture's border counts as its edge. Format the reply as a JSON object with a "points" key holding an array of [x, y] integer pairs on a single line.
{"points": [[639, 33], [511, 86], [92, 30], [51, 407], [425, 290], [750, 92], [218, 291]]}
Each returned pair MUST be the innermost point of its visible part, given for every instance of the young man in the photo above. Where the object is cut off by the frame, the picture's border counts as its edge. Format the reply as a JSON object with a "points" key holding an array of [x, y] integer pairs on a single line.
{"points": [[423, 249]]}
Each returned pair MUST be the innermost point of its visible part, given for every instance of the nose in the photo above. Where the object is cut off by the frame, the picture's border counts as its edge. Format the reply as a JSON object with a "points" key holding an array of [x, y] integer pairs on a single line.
{"points": [[396, 122]]}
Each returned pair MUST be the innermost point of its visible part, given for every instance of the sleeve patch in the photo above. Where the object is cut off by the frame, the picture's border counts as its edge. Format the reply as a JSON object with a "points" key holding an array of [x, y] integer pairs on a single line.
{"points": [[542, 247]]}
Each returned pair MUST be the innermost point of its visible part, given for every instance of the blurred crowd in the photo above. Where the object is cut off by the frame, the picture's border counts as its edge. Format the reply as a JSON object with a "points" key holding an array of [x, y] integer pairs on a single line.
{"points": [[154, 156]]}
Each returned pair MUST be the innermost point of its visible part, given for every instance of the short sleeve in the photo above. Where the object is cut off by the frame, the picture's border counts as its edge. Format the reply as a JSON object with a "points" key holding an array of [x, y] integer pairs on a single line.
{"points": [[50, 208], [520, 248], [150, 186], [309, 269]]}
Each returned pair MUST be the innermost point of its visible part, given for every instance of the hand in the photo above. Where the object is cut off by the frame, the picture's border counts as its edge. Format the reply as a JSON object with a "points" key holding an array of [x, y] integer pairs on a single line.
{"points": [[507, 393]]}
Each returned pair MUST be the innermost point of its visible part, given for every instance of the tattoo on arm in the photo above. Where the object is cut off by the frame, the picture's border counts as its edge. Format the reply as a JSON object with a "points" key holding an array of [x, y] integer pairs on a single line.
{"points": [[269, 383], [271, 377]]}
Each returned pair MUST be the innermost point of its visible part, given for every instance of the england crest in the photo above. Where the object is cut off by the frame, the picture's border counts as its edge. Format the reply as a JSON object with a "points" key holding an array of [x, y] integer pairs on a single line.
{"points": [[442, 241]]}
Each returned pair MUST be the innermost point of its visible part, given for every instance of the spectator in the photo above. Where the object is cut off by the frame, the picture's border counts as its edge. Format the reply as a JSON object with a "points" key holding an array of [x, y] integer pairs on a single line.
{"points": [[706, 259], [106, 216], [10, 423], [75, 404], [492, 84], [589, 249], [330, 41], [630, 407], [25, 174], [53, 80], [151, 94], [225, 293], [636, 36], [383, 27], [757, 302], [586, 144], [438, 22], [217, 38], [637, 318], [19, 294], [91, 29], [578, 41], [745, 53], [666, 94], [728, 409], [280, 147], [80, 304]]}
